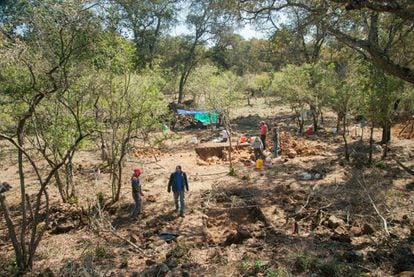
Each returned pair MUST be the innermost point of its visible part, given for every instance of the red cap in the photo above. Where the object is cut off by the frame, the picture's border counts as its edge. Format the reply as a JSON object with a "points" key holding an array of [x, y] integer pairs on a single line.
{"points": [[137, 171]]}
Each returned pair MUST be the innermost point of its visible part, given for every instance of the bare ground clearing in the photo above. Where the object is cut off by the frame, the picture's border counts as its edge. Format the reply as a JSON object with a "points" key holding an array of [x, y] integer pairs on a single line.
{"points": [[256, 223]]}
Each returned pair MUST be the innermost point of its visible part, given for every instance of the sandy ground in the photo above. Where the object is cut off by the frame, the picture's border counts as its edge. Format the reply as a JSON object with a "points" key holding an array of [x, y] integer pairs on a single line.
{"points": [[288, 220]]}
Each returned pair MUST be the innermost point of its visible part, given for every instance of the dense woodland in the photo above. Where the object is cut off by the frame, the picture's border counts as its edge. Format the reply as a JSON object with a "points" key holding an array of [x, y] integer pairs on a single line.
{"points": [[79, 73]]}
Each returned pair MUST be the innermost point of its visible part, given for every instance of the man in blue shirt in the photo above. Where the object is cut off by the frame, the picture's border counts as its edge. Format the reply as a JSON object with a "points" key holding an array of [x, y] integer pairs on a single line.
{"points": [[178, 181]]}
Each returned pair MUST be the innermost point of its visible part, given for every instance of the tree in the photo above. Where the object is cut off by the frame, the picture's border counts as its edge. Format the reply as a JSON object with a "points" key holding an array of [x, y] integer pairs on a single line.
{"points": [[205, 19], [38, 63], [340, 78], [302, 85], [128, 103], [131, 105], [52, 131], [222, 95], [377, 98], [146, 20], [376, 29]]}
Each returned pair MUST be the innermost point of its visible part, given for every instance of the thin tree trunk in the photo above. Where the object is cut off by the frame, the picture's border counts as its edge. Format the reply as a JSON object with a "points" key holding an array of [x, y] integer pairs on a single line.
{"points": [[371, 143], [12, 232], [338, 123], [59, 184], [386, 134], [22, 262], [345, 140]]}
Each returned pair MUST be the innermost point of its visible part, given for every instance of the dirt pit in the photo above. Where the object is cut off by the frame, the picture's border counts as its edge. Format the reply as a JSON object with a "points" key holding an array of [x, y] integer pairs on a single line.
{"points": [[220, 151], [228, 226]]}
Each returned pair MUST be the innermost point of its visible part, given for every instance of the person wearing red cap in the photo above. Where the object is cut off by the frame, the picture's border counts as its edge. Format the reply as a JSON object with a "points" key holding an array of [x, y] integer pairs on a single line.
{"points": [[136, 192], [263, 132]]}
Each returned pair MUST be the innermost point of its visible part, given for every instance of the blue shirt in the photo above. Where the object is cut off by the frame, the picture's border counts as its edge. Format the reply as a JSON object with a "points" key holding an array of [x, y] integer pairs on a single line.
{"points": [[179, 181]]}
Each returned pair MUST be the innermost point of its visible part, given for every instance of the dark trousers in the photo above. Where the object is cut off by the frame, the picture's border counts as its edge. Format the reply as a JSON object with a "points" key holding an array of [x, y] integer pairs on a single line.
{"points": [[137, 204], [179, 195], [263, 138], [258, 153]]}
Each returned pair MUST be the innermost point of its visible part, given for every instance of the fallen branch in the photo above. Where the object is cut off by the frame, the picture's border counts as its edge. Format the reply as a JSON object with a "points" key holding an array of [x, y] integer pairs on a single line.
{"points": [[232, 208], [408, 170], [384, 221], [112, 230]]}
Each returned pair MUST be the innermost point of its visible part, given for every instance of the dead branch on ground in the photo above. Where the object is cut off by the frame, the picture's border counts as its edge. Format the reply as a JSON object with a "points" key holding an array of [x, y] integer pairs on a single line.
{"points": [[384, 221]]}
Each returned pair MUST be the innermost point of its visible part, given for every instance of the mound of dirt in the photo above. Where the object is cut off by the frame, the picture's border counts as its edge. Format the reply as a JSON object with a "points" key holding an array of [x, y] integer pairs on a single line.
{"points": [[65, 218], [405, 129], [147, 152], [294, 146]]}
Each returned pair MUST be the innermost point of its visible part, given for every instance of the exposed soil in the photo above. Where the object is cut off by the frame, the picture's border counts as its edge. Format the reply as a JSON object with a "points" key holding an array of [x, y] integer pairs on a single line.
{"points": [[268, 222]]}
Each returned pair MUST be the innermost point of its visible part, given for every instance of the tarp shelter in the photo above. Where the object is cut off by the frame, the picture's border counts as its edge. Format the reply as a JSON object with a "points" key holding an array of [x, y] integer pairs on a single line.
{"points": [[205, 117]]}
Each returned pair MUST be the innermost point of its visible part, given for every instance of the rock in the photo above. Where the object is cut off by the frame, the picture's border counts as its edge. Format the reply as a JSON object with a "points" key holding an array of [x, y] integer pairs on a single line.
{"points": [[406, 274], [334, 222], [291, 153], [185, 274], [305, 176], [156, 270], [5, 187], [201, 162], [62, 229], [150, 262], [356, 231], [340, 230], [410, 186], [341, 238], [238, 238], [367, 229], [151, 198], [133, 238]]}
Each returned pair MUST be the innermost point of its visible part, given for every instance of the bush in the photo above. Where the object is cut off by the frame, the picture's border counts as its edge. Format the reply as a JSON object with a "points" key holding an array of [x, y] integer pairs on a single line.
{"points": [[100, 251], [232, 172], [260, 266], [101, 199], [73, 200], [303, 262]]}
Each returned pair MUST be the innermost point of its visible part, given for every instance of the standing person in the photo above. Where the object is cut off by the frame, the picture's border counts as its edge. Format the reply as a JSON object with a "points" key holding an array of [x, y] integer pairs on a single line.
{"points": [[224, 135], [275, 138], [257, 146], [136, 192], [263, 132], [178, 181]]}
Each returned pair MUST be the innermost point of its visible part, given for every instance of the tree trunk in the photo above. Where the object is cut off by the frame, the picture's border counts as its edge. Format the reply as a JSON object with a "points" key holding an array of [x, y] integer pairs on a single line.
{"points": [[20, 136], [386, 133], [69, 177], [386, 137], [59, 184], [12, 233], [315, 117], [118, 191], [301, 124], [339, 119], [345, 140], [371, 143], [181, 88]]}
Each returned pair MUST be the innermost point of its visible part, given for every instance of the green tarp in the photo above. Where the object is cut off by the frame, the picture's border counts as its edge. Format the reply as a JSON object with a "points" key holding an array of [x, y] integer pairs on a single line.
{"points": [[207, 118]]}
